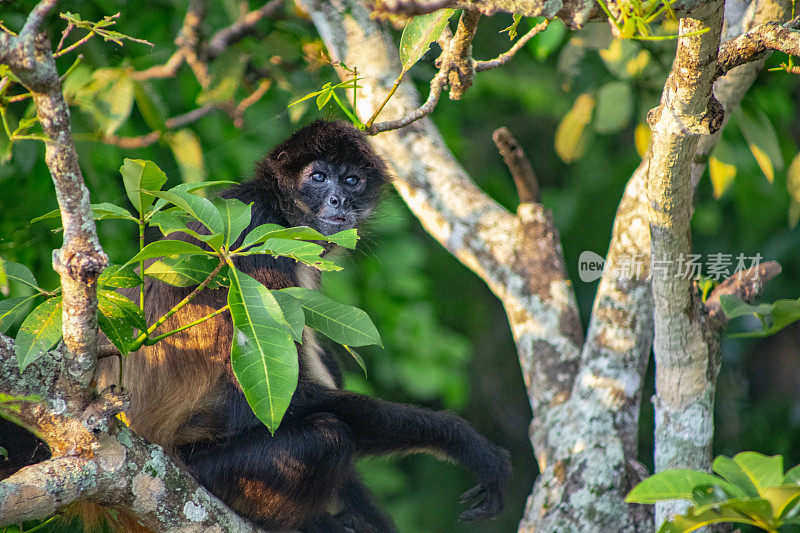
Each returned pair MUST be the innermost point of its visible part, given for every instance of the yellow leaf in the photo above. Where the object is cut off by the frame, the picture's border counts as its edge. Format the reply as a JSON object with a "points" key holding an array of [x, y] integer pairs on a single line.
{"points": [[641, 138], [189, 155], [793, 178], [763, 161], [571, 135], [794, 213], [722, 175]]}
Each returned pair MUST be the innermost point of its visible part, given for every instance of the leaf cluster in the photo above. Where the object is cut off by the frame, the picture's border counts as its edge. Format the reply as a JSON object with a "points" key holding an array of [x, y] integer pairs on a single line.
{"points": [[773, 317], [749, 489]]}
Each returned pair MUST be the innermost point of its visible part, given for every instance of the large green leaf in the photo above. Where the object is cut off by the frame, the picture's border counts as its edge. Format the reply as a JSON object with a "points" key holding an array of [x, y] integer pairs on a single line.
{"points": [[38, 332], [677, 484], [235, 218], [117, 317], [303, 251], [18, 273], [140, 176], [187, 271], [11, 308], [727, 512], [782, 498], [165, 248], [792, 476], [419, 33], [102, 211], [292, 312], [263, 354], [755, 471], [199, 208], [119, 276], [734, 307], [191, 187], [341, 323], [347, 238]]}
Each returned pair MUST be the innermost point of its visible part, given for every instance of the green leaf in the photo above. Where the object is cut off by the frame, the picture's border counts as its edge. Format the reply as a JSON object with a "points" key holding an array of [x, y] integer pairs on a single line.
{"points": [[723, 513], [762, 140], [347, 238], [263, 354], [19, 274], [677, 484], [734, 307], [357, 357], [102, 211], [191, 187], [763, 471], [38, 332], [782, 498], [119, 276], [341, 323], [733, 472], [419, 33], [166, 248], [571, 134], [323, 98], [301, 251], [170, 223], [784, 312], [117, 317], [11, 309], [151, 106], [188, 152], [187, 271], [236, 217], [512, 29], [548, 41], [139, 177], [792, 476], [112, 97], [614, 107], [197, 207], [292, 312]]}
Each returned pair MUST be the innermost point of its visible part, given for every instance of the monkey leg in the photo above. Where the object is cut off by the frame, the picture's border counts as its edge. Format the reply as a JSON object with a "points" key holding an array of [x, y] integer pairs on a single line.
{"points": [[279, 481], [380, 427]]}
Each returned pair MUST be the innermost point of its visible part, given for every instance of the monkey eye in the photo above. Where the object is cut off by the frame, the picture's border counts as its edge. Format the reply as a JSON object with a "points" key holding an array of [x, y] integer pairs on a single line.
{"points": [[318, 176], [352, 180]]}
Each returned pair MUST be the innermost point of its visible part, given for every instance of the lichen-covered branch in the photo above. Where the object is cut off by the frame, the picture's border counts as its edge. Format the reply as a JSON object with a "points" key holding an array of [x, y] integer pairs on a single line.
{"points": [[519, 256], [758, 42], [574, 13], [687, 360], [95, 457], [81, 259]]}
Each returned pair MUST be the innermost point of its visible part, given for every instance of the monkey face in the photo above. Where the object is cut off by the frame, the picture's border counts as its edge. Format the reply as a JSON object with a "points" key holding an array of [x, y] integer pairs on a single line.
{"points": [[331, 197]]}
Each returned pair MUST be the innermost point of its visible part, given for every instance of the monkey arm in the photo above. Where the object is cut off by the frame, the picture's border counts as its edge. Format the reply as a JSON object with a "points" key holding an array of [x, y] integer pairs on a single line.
{"points": [[379, 427]]}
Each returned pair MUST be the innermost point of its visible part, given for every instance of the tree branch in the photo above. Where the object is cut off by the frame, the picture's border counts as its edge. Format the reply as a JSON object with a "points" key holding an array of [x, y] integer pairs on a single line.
{"points": [[758, 42], [504, 58], [237, 31], [518, 164]]}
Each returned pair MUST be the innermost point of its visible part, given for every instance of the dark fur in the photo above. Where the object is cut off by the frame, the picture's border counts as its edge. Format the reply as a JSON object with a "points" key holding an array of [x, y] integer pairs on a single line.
{"points": [[185, 397]]}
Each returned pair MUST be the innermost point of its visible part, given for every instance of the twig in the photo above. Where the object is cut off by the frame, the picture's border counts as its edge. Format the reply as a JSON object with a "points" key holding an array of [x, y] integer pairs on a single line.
{"points": [[64, 35], [239, 29], [255, 96], [746, 285], [74, 45], [189, 40], [518, 164], [757, 42], [437, 84], [502, 59], [167, 70], [412, 7]]}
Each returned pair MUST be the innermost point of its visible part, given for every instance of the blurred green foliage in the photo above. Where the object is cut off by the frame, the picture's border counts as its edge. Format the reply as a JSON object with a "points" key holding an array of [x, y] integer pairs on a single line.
{"points": [[575, 96]]}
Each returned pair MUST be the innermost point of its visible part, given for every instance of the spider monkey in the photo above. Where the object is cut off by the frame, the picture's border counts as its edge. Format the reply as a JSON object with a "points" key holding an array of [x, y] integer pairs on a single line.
{"points": [[185, 397]]}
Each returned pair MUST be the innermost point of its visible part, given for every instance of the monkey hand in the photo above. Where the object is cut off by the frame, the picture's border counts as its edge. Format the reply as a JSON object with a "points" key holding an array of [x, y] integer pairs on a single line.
{"points": [[488, 497]]}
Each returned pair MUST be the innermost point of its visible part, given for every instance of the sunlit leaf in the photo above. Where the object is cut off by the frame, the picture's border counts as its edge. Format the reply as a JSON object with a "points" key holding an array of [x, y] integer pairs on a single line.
{"points": [[40, 330], [166, 247], [571, 135], [236, 217], [721, 168], [302, 251], [117, 317], [419, 33], [199, 208], [341, 323], [762, 140], [140, 176], [17, 273], [11, 309], [119, 276], [677, 484], [641, 138], [113, 93], [357, 357], [187, 271], [151, 106], [188, 153]]}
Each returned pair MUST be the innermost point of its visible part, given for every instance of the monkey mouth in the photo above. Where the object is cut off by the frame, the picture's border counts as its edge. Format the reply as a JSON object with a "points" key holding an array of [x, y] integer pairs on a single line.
{"points": [[336, 220]]}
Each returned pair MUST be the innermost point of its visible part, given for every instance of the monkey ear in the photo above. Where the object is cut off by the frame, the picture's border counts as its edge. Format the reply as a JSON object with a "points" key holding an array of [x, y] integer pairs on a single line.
{"points": [[281, 156]]}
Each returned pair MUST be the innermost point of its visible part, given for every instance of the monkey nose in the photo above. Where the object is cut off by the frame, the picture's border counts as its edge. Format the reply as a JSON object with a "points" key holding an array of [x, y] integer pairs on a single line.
{"points": [[335, 201]]}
